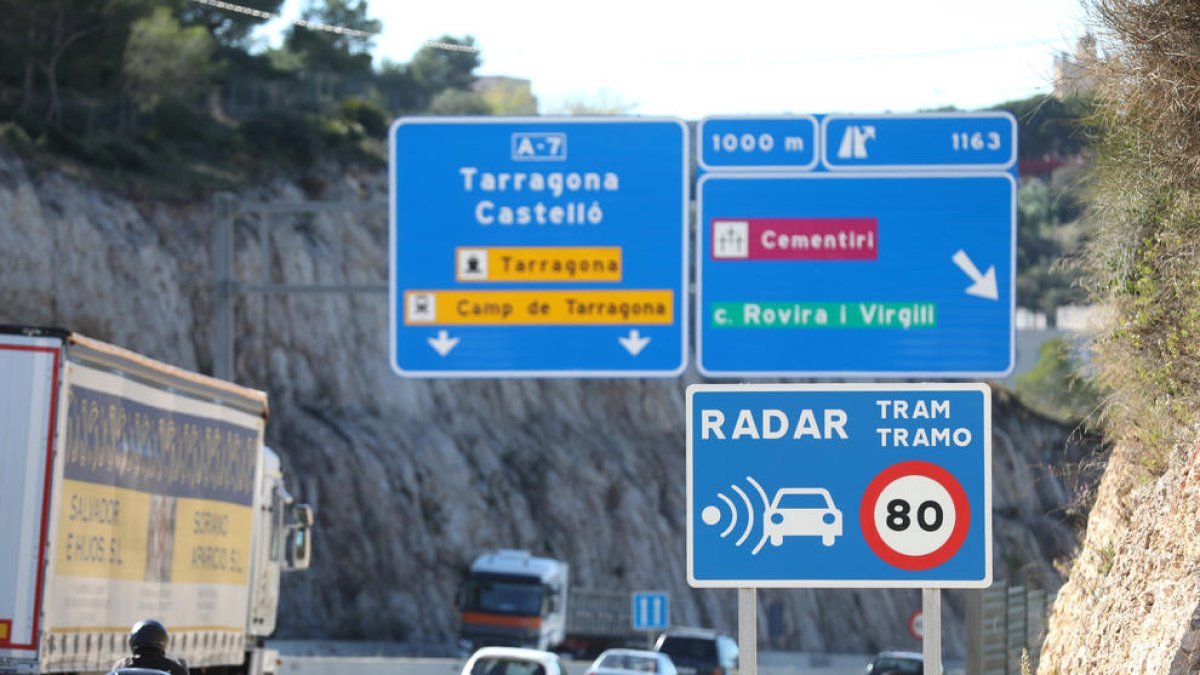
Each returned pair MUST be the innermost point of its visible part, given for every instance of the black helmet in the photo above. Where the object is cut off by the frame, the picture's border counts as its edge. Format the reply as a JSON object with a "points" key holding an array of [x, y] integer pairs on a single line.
{"points": [[148, 634]]}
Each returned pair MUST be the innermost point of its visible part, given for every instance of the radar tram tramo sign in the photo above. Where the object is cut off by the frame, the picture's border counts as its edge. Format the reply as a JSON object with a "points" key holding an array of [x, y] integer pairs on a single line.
{"points": [[839, 485]]}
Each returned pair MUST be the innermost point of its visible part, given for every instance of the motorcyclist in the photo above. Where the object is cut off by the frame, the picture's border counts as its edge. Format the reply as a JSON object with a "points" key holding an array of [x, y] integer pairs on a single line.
{"points": [[148, 641]]}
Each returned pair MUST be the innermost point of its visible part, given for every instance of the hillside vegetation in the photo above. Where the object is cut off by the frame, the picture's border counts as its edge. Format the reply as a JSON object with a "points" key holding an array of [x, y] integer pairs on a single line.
{"points": [[1145, 206], [1130, 604], [178, 98]]}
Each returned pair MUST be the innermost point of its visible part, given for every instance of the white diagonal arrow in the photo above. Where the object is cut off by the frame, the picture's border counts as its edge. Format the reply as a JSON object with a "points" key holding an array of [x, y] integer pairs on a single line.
{"points": [[985, 284], [634, 343], [443, 343]]}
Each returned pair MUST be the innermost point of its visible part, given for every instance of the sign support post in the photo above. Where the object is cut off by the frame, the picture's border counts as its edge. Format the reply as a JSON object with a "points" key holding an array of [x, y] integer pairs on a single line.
{"points": [[748, 631], [931, 642], [974, 619]]}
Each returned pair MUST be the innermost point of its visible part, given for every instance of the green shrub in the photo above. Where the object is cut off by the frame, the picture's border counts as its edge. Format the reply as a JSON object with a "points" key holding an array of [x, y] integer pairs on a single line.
{"points": [[1056, 386], [106, 150], [177, 122], [290, 136], [13, 136], [117, 152], [368, 114]]}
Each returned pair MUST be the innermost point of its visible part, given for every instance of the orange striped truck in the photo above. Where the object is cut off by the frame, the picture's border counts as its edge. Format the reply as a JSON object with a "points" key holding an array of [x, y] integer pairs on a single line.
{"points": [[515, 599], [132, 489]]}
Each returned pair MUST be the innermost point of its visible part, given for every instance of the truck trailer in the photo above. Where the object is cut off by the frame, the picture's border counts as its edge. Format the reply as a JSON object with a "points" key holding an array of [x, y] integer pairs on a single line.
{"points": [[132, 489]]}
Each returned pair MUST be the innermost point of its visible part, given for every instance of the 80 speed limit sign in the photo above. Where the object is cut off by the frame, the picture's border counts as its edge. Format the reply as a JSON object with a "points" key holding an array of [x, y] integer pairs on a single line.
{"points": [[915, 515], [840, 486]]}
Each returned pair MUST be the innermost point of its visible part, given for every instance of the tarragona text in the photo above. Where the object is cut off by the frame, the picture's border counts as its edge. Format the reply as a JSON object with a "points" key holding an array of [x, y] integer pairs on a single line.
{"points": [[581, 189]]}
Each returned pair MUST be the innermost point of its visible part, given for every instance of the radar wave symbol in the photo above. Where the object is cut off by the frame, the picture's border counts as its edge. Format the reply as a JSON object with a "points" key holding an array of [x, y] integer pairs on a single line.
{"points": [[712, 514]]}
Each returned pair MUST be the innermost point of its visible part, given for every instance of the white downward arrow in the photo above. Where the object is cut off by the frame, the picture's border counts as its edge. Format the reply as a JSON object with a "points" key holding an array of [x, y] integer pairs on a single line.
{"points": [[985, 284], [443, 343], [634, 343]]}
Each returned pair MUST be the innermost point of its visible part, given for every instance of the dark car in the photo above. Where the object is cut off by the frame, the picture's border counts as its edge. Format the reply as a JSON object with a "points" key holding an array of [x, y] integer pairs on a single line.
{"points": [[699, 651], [897, 663]]}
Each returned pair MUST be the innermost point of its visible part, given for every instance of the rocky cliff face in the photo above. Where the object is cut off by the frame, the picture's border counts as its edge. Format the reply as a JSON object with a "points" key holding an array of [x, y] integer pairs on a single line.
{"points": [[1132, 604], [412, 479]]}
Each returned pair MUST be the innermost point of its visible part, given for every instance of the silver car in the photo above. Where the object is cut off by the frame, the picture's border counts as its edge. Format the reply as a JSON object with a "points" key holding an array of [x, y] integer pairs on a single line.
{"points": [[631, 662]]}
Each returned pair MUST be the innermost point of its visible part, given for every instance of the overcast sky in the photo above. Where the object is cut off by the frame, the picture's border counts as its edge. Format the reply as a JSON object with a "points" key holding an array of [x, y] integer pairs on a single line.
{"points": [[751, 56]]}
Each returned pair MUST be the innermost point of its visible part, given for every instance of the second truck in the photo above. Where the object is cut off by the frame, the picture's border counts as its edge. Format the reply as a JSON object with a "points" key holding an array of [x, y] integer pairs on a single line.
{"points": [[515, 599], [132, 489]]}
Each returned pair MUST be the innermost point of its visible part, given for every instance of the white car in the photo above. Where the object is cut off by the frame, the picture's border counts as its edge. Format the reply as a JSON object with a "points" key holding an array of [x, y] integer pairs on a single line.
{"points": [[513, 661], [631, 662], [802, 512]]}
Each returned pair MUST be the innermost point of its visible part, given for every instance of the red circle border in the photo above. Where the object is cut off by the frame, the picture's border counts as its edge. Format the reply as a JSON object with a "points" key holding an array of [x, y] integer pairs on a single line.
{"points": [[962, 515], [912, 625]]}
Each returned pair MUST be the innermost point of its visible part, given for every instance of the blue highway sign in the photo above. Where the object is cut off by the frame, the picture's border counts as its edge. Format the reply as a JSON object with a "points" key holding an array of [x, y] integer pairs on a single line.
{"points": [[651, 610], [921, 141], [839, 486], [745, 143], [891, 272], [538, 247]]}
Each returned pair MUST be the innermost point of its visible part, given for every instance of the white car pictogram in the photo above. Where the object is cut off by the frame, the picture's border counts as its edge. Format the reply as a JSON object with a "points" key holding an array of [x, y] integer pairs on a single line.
{"points": [[802, 512]]}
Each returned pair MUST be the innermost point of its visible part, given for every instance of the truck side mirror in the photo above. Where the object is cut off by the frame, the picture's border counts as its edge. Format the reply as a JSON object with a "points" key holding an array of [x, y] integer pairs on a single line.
{"points": [[299, 543], [299, 549], [303, 514]]}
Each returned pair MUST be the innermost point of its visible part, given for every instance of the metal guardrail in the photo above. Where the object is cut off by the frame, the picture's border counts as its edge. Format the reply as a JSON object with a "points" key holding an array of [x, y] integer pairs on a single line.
{"points": [[1014, 621], [600, 613]]}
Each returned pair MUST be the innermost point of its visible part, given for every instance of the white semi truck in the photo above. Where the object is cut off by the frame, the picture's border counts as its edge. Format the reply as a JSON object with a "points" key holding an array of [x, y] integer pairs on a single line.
{"points": [[512, 598], [132, 489]]}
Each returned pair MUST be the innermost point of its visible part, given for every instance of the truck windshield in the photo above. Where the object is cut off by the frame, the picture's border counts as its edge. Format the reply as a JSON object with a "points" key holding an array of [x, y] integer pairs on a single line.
{"points": [[504, 597]]}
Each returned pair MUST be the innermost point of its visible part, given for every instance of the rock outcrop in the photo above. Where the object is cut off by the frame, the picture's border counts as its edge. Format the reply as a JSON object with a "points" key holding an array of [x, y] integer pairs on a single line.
{"points": [[412, 479], [1132, 604]]}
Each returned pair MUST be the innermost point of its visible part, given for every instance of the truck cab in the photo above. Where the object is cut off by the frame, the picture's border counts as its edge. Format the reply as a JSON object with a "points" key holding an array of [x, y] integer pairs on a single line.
{"points": [[513, 599], [281, 543]]}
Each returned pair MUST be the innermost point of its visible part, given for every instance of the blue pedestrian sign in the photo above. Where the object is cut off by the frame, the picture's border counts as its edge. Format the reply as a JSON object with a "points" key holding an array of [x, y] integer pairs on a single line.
{"points": [[538, 247], [839, 485], [651, 610], [892, 257]]}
